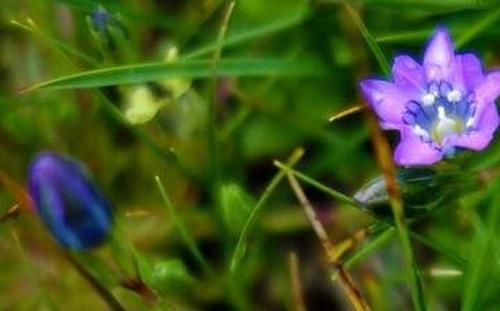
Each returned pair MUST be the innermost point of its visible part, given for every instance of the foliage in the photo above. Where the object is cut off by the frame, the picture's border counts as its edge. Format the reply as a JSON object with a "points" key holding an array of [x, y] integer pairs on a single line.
{"points": [[204, 219]]}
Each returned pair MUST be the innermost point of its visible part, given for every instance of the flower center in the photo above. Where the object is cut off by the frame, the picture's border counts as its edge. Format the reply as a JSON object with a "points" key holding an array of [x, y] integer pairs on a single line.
{"points": [[441, 112]]}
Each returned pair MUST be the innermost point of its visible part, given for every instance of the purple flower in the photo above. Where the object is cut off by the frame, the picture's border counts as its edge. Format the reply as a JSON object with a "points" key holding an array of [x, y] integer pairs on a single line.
{"points": [[444, 103], [68, 202]]}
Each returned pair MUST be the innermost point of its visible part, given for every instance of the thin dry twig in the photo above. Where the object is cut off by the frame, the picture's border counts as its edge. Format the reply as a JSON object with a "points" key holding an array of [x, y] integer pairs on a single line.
{"points": [[353, 294], [296, 285], [13, 212], [17, 191], [350, 242], [346, 112]]}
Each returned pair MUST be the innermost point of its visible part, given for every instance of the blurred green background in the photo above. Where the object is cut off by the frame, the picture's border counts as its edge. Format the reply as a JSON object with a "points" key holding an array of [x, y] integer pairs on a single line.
{"points": [[285, 68]]}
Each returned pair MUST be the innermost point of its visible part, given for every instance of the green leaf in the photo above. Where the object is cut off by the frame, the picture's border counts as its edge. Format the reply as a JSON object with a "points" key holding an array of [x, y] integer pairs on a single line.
{"points": [[147, 72], [453, 5], [164, 276], [236, 206], [170, 276]]}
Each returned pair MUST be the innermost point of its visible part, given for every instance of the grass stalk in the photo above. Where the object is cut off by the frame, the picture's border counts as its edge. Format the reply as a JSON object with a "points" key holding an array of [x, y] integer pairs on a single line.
{"points": [[241, 244], [186, 235], [370, 40], [337, 195], [486, 21]]}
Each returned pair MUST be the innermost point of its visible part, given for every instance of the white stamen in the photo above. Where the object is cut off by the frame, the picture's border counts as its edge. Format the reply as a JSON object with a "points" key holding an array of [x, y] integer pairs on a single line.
{"points": [[445, 127], [470, 121], [435, 91], [420, 131], [441, 113], [428, 99], [454, 96]]}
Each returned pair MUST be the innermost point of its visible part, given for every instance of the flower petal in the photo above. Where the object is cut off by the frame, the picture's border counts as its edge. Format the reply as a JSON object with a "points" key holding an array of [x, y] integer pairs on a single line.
{"points": [[487, 124], [407, 73], [468, 72], [412, 151], [488, 91], [387, 100], [439, 58]]}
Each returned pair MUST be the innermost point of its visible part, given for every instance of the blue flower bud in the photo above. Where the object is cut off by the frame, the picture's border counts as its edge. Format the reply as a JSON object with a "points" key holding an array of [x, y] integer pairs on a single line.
{"points": [[100, 19], [70, 205], [107, 29]]}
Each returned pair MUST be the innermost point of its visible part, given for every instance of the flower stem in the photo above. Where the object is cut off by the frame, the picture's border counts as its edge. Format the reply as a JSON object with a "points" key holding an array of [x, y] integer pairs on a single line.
{"points": [[383, 154], [213, 142], [105, 294]]}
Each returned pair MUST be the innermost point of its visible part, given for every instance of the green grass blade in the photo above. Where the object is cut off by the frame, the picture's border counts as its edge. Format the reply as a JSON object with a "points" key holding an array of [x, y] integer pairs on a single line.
{"points": [[240, 248], [486, 21], [167, 155], [370, 40], [63, 48], [441, 5], [371, 246], [252, 34], [186, 235], [406, 36], [334, 193], [131, 74], [441, 249]]}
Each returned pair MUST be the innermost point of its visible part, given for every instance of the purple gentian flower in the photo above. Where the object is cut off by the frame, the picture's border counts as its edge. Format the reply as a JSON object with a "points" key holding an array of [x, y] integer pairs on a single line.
{"points": [[68, 202], [447, 102]]}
